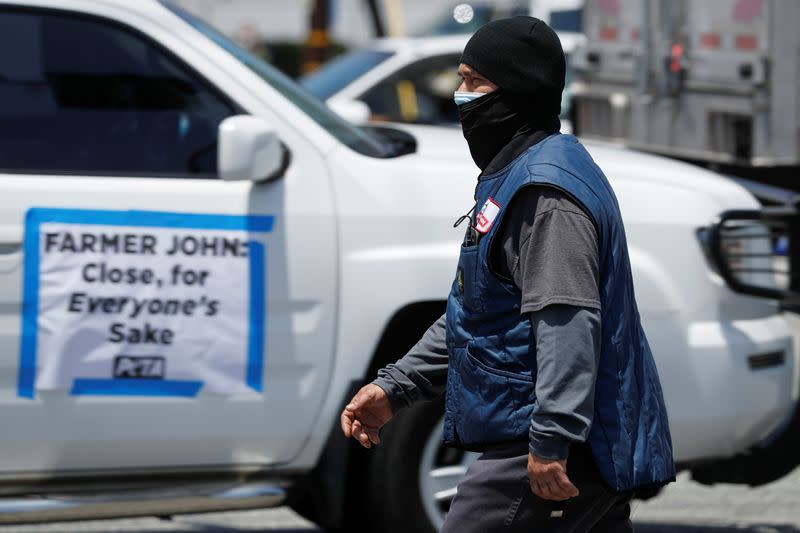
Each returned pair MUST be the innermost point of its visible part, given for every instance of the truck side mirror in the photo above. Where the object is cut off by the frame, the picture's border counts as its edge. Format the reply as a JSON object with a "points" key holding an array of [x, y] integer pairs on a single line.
{"points": [[249, 149], [354, 111]]}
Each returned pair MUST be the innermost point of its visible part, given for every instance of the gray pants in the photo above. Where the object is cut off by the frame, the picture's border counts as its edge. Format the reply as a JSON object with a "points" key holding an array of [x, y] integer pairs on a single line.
{"points": [[495, 495]]}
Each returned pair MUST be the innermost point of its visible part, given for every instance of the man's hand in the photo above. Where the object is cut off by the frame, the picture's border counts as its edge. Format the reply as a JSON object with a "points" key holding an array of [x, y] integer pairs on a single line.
{"points": [[549, 479], [366, 413]]}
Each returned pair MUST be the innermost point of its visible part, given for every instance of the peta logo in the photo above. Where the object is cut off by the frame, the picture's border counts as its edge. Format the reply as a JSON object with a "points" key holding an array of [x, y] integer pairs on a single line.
{"points": [[132, 367]]}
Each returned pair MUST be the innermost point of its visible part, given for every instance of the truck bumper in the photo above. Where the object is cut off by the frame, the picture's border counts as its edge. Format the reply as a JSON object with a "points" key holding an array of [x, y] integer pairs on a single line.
{"points": [[739, 387]]}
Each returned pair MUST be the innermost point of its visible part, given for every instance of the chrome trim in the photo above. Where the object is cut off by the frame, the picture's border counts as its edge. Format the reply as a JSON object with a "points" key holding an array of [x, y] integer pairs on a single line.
{"points": [[164, 501]]}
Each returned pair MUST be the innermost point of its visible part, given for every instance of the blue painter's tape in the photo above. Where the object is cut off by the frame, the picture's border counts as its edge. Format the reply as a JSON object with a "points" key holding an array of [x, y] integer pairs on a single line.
{"points": [[135, 387], [255, 348], [30, 312], [26, 378], [151, 219]]}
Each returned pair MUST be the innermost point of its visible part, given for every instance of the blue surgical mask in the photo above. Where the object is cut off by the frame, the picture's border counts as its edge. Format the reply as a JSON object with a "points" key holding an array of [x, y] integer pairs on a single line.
{"points": [[463, 97]]}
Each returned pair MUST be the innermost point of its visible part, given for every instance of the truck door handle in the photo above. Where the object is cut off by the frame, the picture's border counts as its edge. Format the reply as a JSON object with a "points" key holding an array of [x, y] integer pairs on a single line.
{"points": [[9, 248]]}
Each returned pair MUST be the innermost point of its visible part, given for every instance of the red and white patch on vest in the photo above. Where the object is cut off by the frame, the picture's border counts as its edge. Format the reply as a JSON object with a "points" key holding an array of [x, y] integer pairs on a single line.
{"points": [[486, 216]]}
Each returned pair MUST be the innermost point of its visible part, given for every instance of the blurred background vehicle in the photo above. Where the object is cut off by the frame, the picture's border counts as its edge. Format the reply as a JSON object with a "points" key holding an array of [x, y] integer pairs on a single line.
{"points": [[715, 82], [406, 80]]}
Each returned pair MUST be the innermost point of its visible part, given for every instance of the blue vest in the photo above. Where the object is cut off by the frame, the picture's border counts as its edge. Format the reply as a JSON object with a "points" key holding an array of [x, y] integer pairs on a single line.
{"points": [[492, 368]]}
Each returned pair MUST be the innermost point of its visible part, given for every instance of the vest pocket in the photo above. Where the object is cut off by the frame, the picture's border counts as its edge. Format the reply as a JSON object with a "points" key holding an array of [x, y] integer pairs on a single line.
{"points": [[496, 404], [496, 371], [466, 277]]}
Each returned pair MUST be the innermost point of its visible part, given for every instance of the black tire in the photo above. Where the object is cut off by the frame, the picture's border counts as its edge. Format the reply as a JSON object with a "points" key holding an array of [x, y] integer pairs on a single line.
{"points": [[392, 489]]}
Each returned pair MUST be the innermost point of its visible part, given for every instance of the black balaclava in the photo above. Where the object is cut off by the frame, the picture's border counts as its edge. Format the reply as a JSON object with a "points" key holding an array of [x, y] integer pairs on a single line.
{"points": [[524, 58]]}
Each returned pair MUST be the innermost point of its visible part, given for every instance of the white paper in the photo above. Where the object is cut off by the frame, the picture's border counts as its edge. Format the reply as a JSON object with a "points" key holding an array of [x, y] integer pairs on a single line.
{"points": [[127, 303]]}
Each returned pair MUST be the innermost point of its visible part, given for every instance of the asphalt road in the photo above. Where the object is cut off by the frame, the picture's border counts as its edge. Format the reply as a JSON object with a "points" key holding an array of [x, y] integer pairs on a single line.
{"points": [[684, 507]]}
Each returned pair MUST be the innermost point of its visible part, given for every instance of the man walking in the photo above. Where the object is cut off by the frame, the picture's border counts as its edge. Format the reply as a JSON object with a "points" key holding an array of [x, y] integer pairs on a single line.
{"points": [[541, 353]]}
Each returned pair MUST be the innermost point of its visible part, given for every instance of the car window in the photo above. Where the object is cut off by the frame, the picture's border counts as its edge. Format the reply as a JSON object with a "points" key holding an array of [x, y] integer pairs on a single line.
{"points": [[337, 73], [420, 93], [82, 95], [362, 141]]}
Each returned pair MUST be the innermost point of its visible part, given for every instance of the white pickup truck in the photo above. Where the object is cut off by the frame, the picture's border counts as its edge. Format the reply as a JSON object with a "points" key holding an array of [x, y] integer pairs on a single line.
{"points": [[199, 263]]}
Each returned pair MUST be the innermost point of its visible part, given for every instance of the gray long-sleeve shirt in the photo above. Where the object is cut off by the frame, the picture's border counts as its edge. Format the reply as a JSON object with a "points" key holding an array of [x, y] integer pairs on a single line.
{"points": [[547, 246]]}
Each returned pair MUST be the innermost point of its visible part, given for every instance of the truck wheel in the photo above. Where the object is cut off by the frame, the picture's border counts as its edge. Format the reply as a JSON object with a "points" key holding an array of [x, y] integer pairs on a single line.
{"points": [[412, 476]]}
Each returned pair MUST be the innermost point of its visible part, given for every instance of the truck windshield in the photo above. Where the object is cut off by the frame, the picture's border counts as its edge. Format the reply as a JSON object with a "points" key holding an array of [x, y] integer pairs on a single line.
{"points": [[357, 139], [338, 73]]}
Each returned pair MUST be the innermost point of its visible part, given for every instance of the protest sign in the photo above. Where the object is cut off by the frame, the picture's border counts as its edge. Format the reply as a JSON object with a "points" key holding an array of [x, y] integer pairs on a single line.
{"points": [[143, 303]]}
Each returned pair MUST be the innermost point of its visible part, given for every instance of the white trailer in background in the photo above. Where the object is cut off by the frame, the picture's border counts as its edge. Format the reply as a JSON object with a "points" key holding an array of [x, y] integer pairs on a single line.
{"points": [[713, 80]]}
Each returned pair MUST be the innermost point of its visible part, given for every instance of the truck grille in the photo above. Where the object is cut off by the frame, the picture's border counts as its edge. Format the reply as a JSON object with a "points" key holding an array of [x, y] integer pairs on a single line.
{"points": [[756, 252]]}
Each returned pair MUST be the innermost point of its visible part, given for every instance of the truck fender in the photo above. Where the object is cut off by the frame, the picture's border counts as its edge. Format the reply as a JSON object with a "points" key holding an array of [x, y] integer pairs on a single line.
{"points": [[328, 491]]}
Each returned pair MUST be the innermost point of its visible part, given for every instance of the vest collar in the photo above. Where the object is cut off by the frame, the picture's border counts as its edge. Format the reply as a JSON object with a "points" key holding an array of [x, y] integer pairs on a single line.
{"points": [[518, 146]]}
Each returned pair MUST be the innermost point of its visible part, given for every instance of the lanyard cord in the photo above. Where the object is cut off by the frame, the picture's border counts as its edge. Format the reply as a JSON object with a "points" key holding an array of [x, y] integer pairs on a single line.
{"points": [[462, 218]]}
